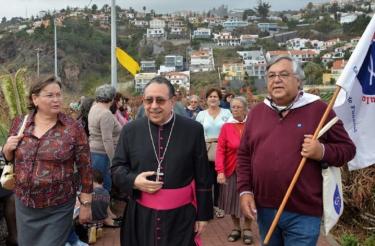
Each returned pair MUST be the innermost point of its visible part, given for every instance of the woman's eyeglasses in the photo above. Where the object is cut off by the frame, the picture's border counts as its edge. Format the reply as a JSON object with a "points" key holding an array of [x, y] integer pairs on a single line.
{"points": [[157, 100]]}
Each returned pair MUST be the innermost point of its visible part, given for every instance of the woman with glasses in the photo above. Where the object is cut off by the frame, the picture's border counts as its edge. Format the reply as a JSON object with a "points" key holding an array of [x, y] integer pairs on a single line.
{"points": [[45, 156], [193, 109], [212, 119], [225, 166]]}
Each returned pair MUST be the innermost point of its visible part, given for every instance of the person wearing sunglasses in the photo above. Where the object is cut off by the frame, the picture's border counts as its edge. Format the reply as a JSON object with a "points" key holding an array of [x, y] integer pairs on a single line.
{"points": [[277, 135], [161, 164]]}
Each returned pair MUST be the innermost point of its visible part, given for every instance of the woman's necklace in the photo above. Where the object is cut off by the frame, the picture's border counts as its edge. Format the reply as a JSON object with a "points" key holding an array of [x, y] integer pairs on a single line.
{"points": [[160, 160]]}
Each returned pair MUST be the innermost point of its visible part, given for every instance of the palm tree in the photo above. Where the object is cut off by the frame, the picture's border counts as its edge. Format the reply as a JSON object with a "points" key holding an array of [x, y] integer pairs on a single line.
{"points": [[144, 9], [13, 87], [263, 9]]}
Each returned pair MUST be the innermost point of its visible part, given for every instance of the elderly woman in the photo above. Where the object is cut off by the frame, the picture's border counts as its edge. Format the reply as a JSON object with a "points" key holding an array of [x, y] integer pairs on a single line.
{"points": [[225, 166], [104, 132], [212, 120], [193, 109], [44, 157]]}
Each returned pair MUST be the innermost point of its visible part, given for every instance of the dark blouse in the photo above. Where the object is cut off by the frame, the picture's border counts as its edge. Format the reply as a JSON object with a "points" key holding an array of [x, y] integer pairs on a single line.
{"points": [[44, 166]]}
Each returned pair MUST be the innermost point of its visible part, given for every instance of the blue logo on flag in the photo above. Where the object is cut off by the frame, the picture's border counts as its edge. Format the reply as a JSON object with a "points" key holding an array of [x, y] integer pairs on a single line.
{"points": [[366, 75], [337, 200]]}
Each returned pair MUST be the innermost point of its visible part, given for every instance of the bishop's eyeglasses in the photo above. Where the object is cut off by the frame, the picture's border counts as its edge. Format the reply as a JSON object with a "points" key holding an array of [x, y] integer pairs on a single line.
{"points": [[158, 100]]}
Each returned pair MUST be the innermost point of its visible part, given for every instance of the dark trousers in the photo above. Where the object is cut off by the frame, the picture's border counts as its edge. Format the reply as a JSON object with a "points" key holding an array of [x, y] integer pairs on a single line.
{"points": [[215, 186]]}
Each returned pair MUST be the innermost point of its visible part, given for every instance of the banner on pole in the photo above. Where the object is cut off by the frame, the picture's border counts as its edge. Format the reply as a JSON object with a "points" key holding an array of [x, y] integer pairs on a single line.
{"points": [[127, 61], [355, 104]]}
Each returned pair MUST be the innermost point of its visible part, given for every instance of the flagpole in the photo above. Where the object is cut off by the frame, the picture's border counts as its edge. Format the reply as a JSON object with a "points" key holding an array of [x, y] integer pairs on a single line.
{"points": [[300, 167]]}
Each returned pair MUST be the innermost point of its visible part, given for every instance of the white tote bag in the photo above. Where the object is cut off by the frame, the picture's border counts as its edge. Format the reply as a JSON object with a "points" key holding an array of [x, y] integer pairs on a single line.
{"points": [[333, 202]]}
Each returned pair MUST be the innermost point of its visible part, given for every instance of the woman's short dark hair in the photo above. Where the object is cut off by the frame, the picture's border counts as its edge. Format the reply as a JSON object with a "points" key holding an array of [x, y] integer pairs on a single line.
{"points": [[162, 81], [228, 95], [209, 92], [38, 86]]}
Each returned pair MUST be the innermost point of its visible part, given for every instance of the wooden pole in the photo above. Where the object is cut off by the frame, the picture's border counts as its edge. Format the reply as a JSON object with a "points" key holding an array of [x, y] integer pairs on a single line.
{"points": [[300, 167]]}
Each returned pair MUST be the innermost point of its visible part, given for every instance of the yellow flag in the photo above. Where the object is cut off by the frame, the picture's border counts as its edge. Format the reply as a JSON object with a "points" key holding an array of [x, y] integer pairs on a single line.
{"points": [[127, 61]]}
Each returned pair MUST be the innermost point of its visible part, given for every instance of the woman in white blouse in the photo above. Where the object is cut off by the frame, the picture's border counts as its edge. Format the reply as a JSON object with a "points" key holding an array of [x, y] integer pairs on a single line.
{"points": [[212, 119]]}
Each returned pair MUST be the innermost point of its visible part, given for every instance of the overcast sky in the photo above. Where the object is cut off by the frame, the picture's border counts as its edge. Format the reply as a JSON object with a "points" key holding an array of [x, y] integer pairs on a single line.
{"points": [[26, 8]]}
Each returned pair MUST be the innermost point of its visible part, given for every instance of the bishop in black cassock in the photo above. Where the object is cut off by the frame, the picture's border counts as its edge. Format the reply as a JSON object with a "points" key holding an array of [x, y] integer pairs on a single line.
{"points": [[185, 161]]}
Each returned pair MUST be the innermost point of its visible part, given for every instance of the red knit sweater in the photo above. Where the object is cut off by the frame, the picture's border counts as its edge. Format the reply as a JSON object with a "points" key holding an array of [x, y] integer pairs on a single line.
{"points": [[269, 154], [227, 147]]}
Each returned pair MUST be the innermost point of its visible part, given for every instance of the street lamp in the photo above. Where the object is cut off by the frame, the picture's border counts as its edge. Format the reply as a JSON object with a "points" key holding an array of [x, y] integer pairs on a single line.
{"points": [[113, 45], [37, 60]]}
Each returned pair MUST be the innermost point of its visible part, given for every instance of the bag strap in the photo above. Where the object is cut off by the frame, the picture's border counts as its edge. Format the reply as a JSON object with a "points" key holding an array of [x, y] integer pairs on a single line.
{"points": [[23, 126], [20, 132]]}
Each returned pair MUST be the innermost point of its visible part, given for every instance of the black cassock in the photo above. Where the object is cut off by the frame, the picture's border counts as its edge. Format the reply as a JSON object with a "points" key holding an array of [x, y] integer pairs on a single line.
{"points": [[185, 160]]}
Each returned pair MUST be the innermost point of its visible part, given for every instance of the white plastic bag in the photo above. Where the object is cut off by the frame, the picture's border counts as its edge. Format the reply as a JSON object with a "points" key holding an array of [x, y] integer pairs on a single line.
{"points": [[333, 203]]}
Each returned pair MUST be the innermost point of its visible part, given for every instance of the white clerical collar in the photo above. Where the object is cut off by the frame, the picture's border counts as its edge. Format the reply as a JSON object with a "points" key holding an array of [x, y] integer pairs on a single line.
{"points": [[302, 99], [169, 119], [233, 120]]}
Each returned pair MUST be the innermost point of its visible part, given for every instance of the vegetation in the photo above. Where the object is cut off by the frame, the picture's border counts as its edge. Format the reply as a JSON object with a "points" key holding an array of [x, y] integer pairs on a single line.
{"points": [[349, 240], [263, 9], [356, 28], [13, 88]]}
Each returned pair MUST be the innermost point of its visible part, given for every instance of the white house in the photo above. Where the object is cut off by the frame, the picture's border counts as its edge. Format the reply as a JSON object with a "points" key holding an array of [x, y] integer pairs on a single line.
{"points": [[157, 23], [248, 39], [140, 23], [179, 79], [155, 33], [300, 55], [141, 79], [203, 33], [232, 24], [268, 27], [177, 30], [226, 39], [254, 63], [148, 66], [347, 18], [202, 60]]}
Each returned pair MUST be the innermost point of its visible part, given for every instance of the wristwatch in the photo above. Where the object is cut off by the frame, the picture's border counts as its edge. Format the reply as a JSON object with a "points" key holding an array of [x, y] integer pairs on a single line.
{"points": [[85, 203]]}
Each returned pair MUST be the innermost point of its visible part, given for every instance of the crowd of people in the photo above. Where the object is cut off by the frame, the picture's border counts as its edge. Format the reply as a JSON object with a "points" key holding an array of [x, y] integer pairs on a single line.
{"points": [[163, 173]]}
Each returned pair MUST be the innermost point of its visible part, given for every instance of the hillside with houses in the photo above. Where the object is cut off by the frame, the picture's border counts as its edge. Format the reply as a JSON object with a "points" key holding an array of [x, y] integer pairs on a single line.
{"points": [[222, 46]]}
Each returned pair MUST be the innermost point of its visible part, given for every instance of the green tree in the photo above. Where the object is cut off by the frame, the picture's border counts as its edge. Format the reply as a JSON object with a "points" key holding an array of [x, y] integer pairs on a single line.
{"points": [[3, 20], [310, 6], [94, 8], [326, 25], [313, 73], [357, 27], [247, 13], [263, 9]]}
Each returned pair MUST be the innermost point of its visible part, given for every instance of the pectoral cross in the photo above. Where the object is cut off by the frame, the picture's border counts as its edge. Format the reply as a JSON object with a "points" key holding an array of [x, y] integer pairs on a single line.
{"points": [[158, 174]]}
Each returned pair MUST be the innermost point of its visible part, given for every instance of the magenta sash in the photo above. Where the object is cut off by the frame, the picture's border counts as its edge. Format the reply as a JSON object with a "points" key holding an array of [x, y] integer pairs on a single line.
{"points": [[166, 199]]}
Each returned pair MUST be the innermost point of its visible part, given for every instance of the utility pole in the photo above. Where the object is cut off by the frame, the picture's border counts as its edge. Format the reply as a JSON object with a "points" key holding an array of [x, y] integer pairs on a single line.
{"points": [[113, 45], [37, 60], [55, 39]]}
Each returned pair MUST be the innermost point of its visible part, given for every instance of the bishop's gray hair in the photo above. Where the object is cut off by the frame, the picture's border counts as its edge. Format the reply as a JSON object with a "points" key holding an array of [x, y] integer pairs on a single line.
{"points": [[296, 67]]}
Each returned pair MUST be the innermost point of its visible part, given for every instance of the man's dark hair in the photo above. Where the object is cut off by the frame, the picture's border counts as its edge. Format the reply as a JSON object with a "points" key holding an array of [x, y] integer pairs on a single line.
{"points": [[209, 91], [162, 81], [97, 176]]}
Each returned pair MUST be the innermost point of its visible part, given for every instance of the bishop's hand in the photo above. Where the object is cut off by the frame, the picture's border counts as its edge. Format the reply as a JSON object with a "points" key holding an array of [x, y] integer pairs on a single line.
{"points": [[142, 183]]}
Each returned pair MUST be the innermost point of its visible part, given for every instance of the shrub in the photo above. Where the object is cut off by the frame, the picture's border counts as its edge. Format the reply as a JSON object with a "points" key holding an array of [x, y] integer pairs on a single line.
{"points": [[349, 240]]}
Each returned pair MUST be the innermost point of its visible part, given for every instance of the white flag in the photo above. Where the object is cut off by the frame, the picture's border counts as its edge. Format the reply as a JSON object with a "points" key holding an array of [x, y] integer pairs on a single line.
{"points": [[355, 104]]}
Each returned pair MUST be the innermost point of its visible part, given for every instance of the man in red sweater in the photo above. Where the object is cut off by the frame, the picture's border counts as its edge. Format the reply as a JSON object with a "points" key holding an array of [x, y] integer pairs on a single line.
{"points": [[278, 133]]}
